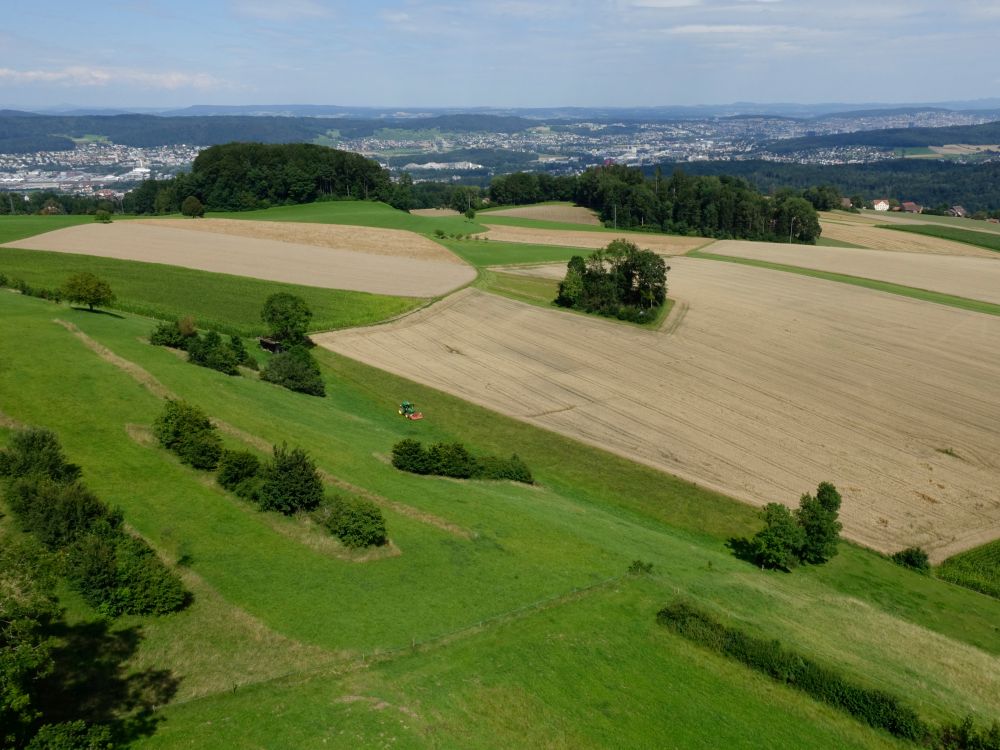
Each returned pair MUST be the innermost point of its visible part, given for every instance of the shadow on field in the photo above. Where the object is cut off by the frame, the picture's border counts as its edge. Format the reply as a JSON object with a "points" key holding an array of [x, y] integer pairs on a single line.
{"points": [[97, 312], [742, 549], [91, 681]]}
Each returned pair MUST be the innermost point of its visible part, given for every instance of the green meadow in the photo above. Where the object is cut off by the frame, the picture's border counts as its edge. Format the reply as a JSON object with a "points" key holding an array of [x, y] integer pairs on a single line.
{"points": [[987, 240], [505, 616]]}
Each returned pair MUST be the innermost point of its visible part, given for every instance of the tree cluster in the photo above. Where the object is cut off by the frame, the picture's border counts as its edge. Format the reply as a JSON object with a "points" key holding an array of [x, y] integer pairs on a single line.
{"points": [[187, 431], [287, 483], [455, 460], [288, 317], [620, 281], [247, 176], [115, 572], [809, 535]]}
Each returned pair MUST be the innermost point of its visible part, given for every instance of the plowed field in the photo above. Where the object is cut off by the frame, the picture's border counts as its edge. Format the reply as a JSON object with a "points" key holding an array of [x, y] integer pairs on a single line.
{"points": [[761, 385], [567, 214], [367, 270], [975, 278], [664, 244]]}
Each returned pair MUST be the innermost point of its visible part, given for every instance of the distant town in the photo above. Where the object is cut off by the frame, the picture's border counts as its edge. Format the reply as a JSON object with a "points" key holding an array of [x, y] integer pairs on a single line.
{"points": [[99, 167]]}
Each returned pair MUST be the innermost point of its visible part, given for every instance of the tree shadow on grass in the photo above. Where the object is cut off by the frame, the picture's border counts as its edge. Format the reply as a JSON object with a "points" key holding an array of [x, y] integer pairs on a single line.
{"points": [[97, 312], [92, 681], [742, 549]]}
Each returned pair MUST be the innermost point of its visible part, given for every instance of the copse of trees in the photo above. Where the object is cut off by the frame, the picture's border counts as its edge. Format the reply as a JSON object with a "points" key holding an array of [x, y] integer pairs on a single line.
{"points": [[246, 176], [808, 535], [619, 281], [187, 431]]}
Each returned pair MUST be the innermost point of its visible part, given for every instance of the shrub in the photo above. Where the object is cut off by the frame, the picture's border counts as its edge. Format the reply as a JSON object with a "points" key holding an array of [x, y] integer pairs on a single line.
{"points": [[240, 353], [187, 430], [296, 370], [913, 558], [778, 543], [638, 567], [511, 469], [102, 216], [212, 352], [290, 482], [192, 207], [170, 334], [72, 735], [36, 451], [409, 455], [236, 467], [452, 460], [57, 513], [356, 522]]}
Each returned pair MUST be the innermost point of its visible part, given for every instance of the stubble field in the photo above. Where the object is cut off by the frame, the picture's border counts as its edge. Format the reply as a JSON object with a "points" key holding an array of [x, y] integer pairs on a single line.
{"points": [[549, 212], [660, 243], [383, 261], [760, 385], [861, 231]]}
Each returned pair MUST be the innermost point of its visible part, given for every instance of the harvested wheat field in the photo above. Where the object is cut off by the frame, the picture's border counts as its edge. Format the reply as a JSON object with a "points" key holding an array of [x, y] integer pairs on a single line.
{"points": [[395, 242], [665, 244], [434, 212], [876, 238], [293, 262], [550, 212], [975, 278], [761, 385]]}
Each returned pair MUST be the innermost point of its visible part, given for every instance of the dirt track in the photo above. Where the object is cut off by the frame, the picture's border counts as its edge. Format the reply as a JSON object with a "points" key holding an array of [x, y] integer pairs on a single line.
{"points": [[975, 278], [331, 268], [761, 385], [664, 244], [567, 214]]}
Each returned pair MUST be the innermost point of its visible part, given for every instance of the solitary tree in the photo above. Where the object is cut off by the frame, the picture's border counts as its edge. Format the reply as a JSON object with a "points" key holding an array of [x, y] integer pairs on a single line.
{"points": [[778, 543], [288, 317], [192, 207], [818, 518], [88, 289]]}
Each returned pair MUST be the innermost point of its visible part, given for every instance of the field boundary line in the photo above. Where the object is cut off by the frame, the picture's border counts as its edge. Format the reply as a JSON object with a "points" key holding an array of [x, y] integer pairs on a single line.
{"points": [[440, 640], [923, 295]]}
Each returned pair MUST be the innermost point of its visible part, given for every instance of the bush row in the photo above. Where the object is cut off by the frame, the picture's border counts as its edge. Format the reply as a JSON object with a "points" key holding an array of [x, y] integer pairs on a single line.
{"points": [[876, 708], [115, 572], [454, 460], [294, 369], [20, 285], [288, 483]]}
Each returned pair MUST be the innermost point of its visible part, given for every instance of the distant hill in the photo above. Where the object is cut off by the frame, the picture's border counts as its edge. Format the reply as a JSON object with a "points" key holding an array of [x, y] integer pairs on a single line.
{"points": [[987, 133], [22, 132], [928, 182]]}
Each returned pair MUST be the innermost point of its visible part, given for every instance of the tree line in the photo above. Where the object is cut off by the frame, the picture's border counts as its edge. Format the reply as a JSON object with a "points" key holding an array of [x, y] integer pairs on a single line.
{"points": [[724, 207]]}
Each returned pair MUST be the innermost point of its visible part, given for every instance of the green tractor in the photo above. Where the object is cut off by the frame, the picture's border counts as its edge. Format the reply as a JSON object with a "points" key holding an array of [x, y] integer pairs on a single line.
{"points": [[409, 411]]}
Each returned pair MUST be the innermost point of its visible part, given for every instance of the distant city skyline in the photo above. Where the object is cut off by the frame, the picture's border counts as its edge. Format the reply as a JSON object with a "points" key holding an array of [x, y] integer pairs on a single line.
{"points": [[508, 53]]}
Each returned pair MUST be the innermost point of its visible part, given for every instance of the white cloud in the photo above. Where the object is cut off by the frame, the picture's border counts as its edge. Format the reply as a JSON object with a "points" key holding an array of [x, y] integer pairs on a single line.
{"points": [[84, 76], [704, 29]]}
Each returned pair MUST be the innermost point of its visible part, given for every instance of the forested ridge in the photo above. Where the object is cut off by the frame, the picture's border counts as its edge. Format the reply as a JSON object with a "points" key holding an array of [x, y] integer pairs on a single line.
{"points": [[987, 133], [928, 182]]}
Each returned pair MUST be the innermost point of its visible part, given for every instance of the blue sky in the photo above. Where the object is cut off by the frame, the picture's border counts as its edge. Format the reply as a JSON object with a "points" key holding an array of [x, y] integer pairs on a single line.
{"points": [[503, 53]]}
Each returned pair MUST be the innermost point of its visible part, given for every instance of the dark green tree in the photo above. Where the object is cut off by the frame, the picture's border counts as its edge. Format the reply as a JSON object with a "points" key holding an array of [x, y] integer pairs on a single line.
{"points": [[290, 482], [818, 518], [913, 558], [212, 352], [36, 451], [778, 543], [296, 370], [88, 289], [192, 207], [236, 467], [287, 316]]}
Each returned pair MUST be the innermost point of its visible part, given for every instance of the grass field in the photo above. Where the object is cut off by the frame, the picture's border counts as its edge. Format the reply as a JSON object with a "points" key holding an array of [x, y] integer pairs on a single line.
{"points": [[962, 303], [484, 252], [977, 569], [987, 240], [18, 227], [230, 304], [479, 636], [361, 213]]}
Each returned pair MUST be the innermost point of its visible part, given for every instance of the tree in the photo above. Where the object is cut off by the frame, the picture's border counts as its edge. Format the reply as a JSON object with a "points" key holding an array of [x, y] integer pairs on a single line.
{"points": [[212, 352], [295, 370], [36, 451], [88, 289], [913, 558], [187, 430], [192, 207], [102, 216], [287, 316], [290, 482], [817, 516], [777, 544]]}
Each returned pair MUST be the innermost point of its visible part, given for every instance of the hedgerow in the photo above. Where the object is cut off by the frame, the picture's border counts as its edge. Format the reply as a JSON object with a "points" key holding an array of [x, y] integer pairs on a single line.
{"points": [[454, 460]]}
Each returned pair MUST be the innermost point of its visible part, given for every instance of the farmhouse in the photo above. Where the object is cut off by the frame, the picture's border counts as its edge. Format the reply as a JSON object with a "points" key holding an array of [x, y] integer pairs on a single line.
{"points": [[880, 204], [912, 208], [958, 211]]}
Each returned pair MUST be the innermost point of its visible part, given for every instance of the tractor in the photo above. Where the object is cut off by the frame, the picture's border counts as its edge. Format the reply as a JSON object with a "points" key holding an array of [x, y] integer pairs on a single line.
{"points": [[409, 411]]}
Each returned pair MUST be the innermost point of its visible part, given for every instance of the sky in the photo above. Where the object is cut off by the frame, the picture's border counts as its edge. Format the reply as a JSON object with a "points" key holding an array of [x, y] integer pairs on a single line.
{"points": [[506, 53]]}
